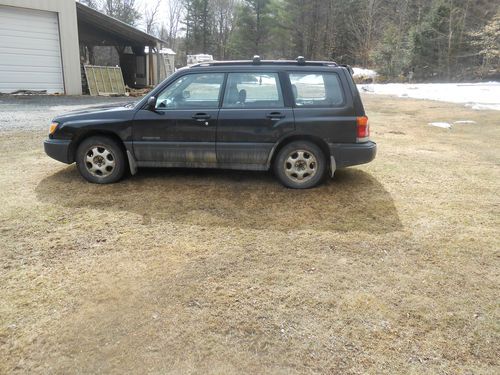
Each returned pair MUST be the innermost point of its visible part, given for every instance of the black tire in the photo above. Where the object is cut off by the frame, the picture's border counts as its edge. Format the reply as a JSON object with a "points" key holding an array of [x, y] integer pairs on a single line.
{"points": [[300, 165], [100, 160]]}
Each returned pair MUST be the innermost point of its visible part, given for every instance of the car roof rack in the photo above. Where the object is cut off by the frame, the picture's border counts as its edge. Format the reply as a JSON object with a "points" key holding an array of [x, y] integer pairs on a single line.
{"points": [[256, 60]]}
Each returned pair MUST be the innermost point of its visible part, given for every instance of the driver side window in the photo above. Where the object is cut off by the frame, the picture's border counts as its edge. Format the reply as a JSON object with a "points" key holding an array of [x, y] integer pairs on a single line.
{"points": [[197, 91]]}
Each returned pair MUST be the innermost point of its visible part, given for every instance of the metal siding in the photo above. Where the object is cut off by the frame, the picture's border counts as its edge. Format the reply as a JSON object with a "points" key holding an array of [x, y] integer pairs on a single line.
{"points": [[30, 51]]}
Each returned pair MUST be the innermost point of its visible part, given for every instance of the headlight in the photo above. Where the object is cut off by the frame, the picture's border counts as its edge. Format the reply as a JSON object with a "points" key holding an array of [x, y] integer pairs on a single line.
{"points": [[53, 128]]}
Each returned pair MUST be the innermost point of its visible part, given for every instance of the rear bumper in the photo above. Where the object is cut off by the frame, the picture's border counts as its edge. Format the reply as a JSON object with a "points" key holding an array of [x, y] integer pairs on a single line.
{"points": [[348, 154], [58, 149]]}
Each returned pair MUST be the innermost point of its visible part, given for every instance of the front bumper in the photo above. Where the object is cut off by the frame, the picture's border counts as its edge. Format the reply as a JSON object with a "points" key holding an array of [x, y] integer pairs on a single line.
{"points": [[58, 149], [348, 154]]}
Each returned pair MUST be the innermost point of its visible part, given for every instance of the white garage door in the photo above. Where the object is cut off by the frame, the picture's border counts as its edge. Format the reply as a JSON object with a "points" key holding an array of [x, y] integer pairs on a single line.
{"points": [[30, 53]]}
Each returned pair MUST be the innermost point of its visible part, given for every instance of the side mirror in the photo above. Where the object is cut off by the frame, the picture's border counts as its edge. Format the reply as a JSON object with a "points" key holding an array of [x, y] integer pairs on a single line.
{"points": [[152, 102], [186, 94]]}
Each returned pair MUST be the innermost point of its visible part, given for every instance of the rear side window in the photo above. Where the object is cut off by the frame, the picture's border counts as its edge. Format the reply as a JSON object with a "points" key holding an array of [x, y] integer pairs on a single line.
{"points": [[316, 89], [253, 90]]}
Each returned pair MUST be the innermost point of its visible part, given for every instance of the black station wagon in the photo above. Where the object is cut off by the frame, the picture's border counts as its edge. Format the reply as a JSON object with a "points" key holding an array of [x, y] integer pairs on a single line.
{"points": [[303, 119]]}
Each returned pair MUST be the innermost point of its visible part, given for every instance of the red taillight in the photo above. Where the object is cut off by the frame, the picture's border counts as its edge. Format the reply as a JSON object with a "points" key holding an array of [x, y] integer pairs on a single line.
{"points": [[363, 127]]}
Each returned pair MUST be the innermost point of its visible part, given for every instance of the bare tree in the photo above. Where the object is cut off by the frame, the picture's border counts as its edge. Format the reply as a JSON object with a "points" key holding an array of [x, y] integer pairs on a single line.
{"points": [[151, 15], [365, 28], [170, 28], [123, 10], [224, 11], [95, 4]]}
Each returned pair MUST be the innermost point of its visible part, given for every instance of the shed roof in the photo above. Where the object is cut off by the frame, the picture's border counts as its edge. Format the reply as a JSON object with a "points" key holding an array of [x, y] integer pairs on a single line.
{"points": [[105, 30]]}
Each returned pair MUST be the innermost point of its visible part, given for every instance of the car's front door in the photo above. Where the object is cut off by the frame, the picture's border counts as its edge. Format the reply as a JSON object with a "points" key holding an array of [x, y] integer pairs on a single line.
{"points": [[181, 129], [252, 118]]}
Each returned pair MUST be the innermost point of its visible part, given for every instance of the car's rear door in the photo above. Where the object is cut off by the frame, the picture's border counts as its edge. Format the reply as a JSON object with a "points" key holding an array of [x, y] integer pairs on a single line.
{"points": [[323, 105], [181, 130], [252, 118]]}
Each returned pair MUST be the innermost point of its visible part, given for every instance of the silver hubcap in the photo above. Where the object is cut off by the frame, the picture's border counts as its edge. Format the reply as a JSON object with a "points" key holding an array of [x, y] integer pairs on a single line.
{"points": [[100, 161], [301, 166]]}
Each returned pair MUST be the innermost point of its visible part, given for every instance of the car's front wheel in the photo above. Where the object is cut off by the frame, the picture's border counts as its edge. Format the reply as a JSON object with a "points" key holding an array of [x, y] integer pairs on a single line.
{"points": [[100, 160], [300, 165]]}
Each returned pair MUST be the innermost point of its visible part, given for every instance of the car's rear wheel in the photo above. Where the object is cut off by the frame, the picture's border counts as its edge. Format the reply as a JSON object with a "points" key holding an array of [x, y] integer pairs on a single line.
{"points": [[100, 160], [300, 165]]}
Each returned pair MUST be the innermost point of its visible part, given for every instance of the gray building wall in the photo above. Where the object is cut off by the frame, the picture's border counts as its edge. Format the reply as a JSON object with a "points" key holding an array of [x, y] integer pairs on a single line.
{"points": [[68, 34]]}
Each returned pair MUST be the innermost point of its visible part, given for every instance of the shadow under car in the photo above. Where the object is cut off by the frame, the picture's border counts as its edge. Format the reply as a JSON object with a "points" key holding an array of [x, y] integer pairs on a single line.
{"points": [[352, 201]]}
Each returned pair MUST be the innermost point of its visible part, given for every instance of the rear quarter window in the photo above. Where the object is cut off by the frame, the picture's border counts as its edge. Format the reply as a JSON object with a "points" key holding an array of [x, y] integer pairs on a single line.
{"points": [[317, 89]]}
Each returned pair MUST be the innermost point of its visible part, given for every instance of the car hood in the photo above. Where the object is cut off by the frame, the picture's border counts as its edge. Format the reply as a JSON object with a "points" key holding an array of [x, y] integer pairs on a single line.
{"points": [[124, 110]]}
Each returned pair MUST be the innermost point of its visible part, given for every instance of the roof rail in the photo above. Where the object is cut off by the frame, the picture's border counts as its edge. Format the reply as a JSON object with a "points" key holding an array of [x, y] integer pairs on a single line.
{"points": [[257, 61]]}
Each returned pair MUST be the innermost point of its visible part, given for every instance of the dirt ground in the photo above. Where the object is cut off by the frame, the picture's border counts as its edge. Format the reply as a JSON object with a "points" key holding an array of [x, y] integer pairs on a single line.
{"points": [[389, 268]]}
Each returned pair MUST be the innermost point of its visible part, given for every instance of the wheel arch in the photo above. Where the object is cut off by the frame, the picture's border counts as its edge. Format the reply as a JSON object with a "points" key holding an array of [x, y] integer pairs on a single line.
{"points": [[299, 137], [93, 133]]}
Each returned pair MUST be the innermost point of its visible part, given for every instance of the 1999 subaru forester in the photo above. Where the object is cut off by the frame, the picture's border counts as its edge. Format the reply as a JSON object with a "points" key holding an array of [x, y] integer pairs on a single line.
{"points": [[303, 119]]}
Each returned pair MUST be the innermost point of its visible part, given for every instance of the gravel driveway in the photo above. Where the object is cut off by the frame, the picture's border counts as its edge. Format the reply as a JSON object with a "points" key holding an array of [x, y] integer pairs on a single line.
{"points": [[35, 112]]}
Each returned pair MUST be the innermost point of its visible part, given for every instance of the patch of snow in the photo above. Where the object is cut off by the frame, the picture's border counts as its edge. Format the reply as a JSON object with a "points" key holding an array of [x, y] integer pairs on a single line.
{"points": [[474, 95], [312, 79], [444, 125], [480, 106], [464, 122], [317, 79], [364, 73]]}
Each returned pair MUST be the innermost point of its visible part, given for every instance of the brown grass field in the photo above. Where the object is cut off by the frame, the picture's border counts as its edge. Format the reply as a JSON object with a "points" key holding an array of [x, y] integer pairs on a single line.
{"points": [[389, 268]]}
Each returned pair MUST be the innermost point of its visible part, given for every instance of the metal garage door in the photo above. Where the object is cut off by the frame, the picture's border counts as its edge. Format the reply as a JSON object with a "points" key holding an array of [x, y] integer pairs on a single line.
{"points": [[30, 53]]}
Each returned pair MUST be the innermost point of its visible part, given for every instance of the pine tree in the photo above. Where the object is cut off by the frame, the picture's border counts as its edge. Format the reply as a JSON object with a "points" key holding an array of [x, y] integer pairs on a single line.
{"points": [[252, 29], [487, 40], [199, 23]]}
